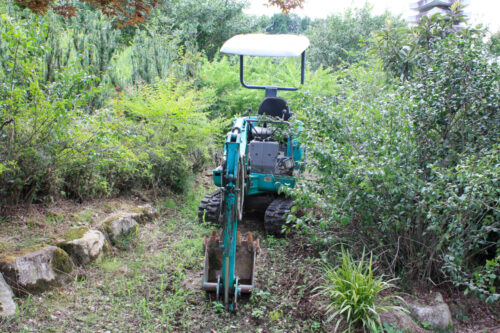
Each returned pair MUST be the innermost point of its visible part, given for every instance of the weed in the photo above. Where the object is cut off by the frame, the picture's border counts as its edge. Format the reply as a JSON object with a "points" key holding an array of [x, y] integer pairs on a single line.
{"points": [[127, 241], [84, 216], [315, 327], [390, 328], [274, 242], [259, 297], [427, 326], [218, 307], [259, 312], [276, 315], [169, 203], [112, 264], [353, 293]]}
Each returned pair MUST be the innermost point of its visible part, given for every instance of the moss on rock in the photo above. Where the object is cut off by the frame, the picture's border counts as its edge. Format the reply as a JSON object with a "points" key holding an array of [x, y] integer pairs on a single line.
{"points": [[74, 233], [113, 217], [10, 256], [61, 262], [35, 268], [84, 245]]}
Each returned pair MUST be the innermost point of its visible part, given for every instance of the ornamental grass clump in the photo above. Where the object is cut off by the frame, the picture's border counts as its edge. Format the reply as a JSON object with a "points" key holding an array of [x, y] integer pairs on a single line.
{"points": [[353, 294]]}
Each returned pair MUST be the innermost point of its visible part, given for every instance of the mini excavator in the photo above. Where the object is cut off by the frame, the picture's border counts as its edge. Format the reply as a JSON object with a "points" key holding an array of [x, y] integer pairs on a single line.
{"points": [[256, 162]]}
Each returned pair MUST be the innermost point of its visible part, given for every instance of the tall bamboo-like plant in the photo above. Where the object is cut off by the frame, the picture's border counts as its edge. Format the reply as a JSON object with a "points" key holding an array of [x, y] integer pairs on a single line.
{"points": [[153, 55], [95, 42]]}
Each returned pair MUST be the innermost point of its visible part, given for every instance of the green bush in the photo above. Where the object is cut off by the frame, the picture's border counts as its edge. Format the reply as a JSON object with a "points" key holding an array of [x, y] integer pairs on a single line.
{"points": [[168, 130], [353, 293], [52, 145], [36, 108], [412, 167]]}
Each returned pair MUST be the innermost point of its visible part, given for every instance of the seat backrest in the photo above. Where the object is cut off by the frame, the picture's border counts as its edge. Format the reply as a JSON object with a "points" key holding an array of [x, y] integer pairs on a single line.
{"points": [[275, 107]]}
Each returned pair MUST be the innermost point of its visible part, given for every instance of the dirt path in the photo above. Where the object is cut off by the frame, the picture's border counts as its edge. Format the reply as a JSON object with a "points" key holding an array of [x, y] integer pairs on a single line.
{"points": [[154, 286]]}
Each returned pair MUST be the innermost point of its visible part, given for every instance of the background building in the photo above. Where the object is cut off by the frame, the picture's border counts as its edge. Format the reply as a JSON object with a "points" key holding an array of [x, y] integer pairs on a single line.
{"points": [[431, 7]]}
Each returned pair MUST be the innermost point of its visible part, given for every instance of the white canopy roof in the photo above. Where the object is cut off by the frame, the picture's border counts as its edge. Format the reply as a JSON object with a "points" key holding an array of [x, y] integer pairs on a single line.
{"points": [[263, 45]]}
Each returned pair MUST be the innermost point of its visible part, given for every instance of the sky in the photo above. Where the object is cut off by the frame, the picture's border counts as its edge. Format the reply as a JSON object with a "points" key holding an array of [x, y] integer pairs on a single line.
{"points": [[486, 12]]}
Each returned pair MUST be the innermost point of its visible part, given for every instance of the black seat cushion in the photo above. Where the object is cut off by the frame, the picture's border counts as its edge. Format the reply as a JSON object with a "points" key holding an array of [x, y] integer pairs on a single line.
{"points": [[275, 107]]}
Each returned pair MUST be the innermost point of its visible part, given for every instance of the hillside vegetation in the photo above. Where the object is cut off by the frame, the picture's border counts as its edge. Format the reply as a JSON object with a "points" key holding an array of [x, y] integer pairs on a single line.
{"points": [[402, 125]]}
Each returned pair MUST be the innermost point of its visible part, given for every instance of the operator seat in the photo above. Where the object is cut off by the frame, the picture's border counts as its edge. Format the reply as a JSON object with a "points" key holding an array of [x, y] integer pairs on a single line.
{"points": [[275, 107]]}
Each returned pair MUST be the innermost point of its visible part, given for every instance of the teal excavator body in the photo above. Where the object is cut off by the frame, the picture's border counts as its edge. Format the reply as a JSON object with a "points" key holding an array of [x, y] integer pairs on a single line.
{"points": [[260, 157]]}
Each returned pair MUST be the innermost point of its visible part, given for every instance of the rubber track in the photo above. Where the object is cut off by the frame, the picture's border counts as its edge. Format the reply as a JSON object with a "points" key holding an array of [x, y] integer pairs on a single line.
{"points": [[211, 204], [276, 215]]}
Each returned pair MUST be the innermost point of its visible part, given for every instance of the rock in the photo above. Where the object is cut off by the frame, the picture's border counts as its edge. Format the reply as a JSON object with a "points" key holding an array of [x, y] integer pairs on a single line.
{"points": [[35, 269], [84, 245], [400, 321], [146, 213], [438, 316], [460, 309], [123, 223], [119, 226], [7, 305]]}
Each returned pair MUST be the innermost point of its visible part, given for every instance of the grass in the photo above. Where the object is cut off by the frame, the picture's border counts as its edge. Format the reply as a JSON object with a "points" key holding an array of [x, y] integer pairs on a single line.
{"points": [[354, 294], [48, 224], [154, 286]]}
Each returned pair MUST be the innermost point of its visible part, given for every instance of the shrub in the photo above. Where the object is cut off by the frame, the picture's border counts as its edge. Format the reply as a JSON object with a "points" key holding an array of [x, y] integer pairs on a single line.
{"points": [[52, 144], [354, 293], [426, 203], [35, 112], [168, 130]]}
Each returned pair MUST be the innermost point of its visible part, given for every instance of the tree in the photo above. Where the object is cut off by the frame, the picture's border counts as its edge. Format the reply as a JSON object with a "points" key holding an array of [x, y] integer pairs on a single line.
{"points": [[126, 12], [412, 165], [284, 24], [286, 5], [338, 37], [494, 44]]}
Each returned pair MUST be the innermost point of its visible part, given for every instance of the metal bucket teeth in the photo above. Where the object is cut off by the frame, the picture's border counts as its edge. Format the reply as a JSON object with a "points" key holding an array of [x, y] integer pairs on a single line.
{"points": [[246, 253]]}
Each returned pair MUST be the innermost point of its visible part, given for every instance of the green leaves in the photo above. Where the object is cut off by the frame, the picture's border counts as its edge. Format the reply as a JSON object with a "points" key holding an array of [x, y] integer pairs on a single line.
{"points": [[411, 166], [340, 39], [353, 293], [177, 134], [54, 139]]}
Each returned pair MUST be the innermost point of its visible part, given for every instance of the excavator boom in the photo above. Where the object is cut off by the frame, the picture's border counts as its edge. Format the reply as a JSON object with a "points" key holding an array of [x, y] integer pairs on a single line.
{"points": [[256, 163], [235, 256]]}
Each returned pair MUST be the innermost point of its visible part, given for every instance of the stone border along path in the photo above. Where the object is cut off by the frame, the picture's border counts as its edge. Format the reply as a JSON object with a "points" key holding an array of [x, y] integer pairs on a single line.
{"points": [[47, 266]]}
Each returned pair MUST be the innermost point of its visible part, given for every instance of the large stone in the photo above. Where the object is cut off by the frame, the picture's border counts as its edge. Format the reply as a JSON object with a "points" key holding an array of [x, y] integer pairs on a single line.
{"points": [[35, 269], [146, 213], [84, 245], [119, 226], [400, 321], [438, 316], [7, 305]]}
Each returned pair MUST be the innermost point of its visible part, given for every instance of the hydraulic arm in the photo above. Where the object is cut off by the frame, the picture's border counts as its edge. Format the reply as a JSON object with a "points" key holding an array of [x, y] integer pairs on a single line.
{"points": [[234, 256], [261, 157]]}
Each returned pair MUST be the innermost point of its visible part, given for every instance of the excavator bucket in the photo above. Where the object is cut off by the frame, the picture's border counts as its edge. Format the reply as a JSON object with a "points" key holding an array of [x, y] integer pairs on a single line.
{"points": [[246, 253]]}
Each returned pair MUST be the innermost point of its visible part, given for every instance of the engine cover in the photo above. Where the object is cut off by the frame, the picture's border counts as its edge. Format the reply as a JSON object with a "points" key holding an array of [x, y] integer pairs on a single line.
{"points": [[263, 156]]}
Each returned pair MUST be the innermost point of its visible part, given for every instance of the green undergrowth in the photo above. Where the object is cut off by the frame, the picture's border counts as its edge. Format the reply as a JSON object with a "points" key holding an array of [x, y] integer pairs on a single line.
{"points": [[154, 285]]}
